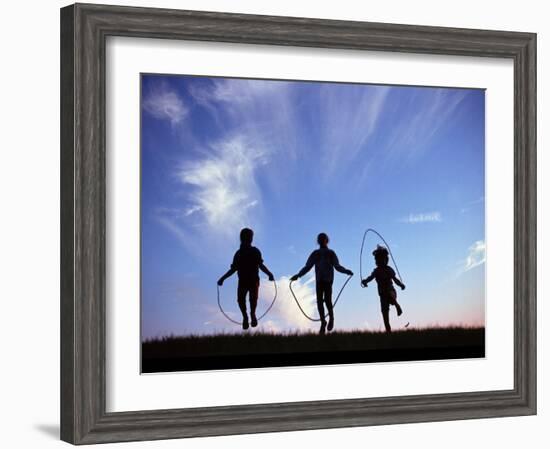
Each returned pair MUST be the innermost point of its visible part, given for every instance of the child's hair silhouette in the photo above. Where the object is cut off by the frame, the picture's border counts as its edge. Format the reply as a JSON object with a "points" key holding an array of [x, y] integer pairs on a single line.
{"points": [[381, 256], [246, 236], [322, 239]]}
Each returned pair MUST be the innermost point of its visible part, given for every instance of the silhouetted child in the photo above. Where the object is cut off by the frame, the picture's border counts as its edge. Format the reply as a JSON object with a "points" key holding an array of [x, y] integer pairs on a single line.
{"points": [[385, 276], [247, 262], [325, 261]]}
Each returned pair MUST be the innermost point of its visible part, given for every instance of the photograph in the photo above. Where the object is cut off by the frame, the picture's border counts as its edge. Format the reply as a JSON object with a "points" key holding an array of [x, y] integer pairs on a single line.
{"points": [[307, 222]]}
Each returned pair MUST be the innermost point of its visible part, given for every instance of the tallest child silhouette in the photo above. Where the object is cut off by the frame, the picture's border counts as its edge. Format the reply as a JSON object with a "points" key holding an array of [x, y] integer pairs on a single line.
{"points": [[325, 261], [247, 262]]}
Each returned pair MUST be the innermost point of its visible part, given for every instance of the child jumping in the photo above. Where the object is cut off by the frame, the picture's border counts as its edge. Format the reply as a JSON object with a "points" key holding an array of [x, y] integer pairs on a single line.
{"points": [[384, 276], [325, 261], [246, 262]]}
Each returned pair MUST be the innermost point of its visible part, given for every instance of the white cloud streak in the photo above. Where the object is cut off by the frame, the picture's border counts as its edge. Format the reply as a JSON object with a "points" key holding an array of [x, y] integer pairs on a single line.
{"points": [[349, 115], [221, 196], [263, 110], [285, 314], [469, 205], [427, 115], [171, 221], [429, 217], [236, 91], [476, 255], [222, 185], [164, 103], [345, 117]]}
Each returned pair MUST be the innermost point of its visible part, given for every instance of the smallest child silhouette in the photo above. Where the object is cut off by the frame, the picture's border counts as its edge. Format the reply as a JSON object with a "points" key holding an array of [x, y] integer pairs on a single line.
{"points": [[385, 276]]}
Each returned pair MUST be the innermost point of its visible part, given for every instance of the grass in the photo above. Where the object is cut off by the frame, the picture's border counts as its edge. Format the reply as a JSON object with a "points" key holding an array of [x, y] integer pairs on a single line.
{"points": [[247, 343]]}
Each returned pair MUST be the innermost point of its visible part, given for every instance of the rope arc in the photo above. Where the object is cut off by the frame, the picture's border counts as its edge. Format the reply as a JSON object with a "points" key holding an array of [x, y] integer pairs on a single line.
{"points": [[333, 304], [239, 322], [361, 255]]}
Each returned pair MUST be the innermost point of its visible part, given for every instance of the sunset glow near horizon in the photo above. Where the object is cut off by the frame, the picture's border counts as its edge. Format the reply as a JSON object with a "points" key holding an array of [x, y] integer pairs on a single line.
{"points": [[290, 159]]}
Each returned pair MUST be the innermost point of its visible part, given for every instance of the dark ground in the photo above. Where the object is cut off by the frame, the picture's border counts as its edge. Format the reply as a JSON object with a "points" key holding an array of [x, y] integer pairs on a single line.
{"points": [[255, 350]]}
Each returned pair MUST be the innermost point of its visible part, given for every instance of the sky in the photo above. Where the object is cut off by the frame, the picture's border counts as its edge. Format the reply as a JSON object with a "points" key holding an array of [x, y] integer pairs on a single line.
{"points": [[290, 159]]}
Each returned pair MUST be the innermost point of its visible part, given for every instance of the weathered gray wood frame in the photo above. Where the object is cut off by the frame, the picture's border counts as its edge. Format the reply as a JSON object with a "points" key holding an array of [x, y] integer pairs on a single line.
{"points": [[84, 29]]}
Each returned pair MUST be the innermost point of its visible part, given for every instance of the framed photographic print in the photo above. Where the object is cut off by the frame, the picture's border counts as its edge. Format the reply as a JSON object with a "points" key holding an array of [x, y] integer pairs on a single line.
{"points": [[300, 203], [352, 156]]}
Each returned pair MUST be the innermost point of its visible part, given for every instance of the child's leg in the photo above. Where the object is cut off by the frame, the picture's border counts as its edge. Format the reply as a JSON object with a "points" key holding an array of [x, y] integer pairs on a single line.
{"points": [[320, 307], [393, 301], [320, 293], [328, 302], [241, 300], [398, 308], [386, 317], [385, 308], [253, 295]]}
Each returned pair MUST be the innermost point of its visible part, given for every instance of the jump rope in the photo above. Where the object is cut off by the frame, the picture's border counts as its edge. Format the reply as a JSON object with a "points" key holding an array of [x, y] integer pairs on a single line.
{"points": [[259, 318], [333, 305], [339, 292], [388, 248]]}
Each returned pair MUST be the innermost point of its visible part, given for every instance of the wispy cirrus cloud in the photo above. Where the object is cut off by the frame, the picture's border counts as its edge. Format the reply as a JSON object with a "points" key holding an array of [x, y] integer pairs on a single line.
{"points": [[427, 115], [260, 108], [222, 185], [344, 118], [263, 111], [476, 255], [357, 120], [218, 175], [236, 91], [221, 194], [427, 217], [475, 258], [348, 118], [164, 103], [471, 204]]}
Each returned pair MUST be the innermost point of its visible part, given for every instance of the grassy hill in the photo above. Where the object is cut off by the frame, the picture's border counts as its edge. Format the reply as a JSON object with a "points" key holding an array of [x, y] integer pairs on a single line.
{"points": [[249, 350]]}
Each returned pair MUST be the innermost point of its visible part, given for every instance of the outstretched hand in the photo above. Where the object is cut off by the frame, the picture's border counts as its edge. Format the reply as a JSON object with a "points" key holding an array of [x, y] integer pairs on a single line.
{"points": [[349, 273], [294, 278], [220, 282], [271, 278], [402, 286], [364, 283]]}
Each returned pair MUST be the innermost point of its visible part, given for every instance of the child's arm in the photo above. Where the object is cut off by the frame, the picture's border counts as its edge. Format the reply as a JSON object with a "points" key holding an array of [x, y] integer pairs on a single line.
{"points": [[229, 273], [231, 270], [262, 267], [398, 282], [338, 267], [365, 281], [308, 266], [266, 271]]}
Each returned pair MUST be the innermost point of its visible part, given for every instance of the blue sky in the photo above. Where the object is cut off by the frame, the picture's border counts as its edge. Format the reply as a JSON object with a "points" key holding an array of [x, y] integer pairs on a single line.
{"points": [[292, 159]]}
